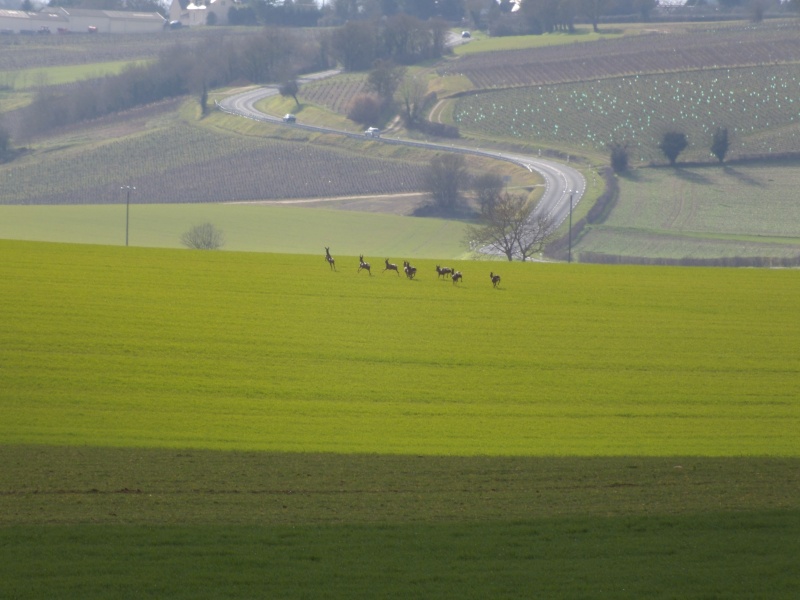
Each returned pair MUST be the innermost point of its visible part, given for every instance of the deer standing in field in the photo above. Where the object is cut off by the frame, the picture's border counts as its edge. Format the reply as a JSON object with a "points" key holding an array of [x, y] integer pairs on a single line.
{"points": [[410, 271], [391, 267], [495, 279], [363, 265], [444, 271], [457, 276], [329, 258]]}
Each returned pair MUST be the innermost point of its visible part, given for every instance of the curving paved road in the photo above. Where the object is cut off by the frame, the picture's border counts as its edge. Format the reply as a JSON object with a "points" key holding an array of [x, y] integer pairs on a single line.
{"points": [[561, 181]]}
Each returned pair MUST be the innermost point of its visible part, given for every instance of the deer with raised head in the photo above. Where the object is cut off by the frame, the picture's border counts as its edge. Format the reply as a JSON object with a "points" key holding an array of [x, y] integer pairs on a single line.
{"points": [[495, 279], [329, 258], [363, 265], [444, 271], [391, 267], [457, 276], [410, 271]]}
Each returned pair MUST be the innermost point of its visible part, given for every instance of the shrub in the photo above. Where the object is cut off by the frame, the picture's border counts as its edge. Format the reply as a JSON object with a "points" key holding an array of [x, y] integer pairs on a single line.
{"points": [[365, 109], [203, 237]]}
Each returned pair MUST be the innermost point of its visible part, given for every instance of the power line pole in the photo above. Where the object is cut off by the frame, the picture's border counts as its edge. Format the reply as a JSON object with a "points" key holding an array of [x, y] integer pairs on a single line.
{"points": [[570, 229], [127, 189]]}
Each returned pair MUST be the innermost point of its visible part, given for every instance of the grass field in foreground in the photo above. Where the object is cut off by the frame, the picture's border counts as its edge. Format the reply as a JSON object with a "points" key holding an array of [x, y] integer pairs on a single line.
{"points": [[165, 348], [127, 372]]}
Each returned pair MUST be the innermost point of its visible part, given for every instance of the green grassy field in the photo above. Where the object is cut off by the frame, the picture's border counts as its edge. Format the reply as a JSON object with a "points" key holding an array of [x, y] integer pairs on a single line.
{"points": [[275, 352], [703, 212], [24, 79], [247, 227], [205, 425], [483, 43]]}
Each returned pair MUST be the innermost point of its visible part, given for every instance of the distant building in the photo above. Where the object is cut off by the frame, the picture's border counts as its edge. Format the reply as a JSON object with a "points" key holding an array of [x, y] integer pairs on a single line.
{"points": [[78, 20], [199, 12], [20, 21]]}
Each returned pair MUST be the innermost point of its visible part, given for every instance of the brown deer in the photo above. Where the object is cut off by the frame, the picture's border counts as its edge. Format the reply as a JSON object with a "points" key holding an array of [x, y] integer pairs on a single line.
{"points": [[363, 265], [444, 271], [495, 279], [329, 258], [457, 276], [391, 267], [410, 271]]}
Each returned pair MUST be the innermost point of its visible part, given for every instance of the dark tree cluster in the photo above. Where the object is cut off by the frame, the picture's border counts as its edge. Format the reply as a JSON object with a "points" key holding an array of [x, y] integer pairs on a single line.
{"points": [[269, 56], [401, 39], [547, 16]]}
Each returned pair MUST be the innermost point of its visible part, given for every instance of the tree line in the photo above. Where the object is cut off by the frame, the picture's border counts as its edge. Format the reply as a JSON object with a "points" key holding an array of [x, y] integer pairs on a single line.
{"points": [[268, 56], [672, 143]]}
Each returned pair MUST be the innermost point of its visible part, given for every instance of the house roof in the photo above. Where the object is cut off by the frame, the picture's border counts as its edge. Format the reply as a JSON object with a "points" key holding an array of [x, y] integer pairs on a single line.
{"points": [[111, 14], [38, 18]]}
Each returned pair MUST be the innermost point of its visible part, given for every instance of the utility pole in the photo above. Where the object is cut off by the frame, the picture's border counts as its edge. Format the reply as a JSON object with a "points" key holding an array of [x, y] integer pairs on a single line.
{"points": [[570, 229], [127, 189]]}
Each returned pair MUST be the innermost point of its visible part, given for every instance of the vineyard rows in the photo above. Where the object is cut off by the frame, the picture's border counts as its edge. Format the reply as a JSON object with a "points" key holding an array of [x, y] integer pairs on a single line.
{"points": [[185, 164], [334, 94], [759, 106], [649, 53]]}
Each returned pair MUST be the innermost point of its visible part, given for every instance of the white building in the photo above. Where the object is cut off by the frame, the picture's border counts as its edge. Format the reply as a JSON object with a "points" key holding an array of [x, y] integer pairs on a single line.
{"points": [[198, 12], [77, 20]]}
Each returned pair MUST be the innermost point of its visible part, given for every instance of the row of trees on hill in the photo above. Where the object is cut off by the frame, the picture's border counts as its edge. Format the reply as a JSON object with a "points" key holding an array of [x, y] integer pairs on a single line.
{"points": [[496, 16], [401, 38], [268, 56], [671, 145]]}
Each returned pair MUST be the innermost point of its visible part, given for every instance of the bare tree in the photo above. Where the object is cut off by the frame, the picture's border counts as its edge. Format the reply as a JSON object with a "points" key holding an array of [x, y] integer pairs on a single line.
{"points": [[487, 187], [384, 79], [411, 97], [203, 237], [6, 151], [444, 179], [509, 225]]}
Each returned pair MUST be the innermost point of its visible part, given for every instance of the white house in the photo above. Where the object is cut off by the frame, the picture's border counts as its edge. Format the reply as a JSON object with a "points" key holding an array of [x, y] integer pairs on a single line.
{"points": [[198, 12]]}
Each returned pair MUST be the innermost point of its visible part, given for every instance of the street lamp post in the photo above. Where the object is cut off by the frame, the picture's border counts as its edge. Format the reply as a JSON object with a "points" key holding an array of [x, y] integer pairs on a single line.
{"points": [[127, 189], [570, 229]]}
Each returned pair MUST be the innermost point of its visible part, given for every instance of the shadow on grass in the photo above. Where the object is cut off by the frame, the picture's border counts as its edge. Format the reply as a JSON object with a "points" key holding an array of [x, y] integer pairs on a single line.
{"points": [[692, 176], [743, 177]]}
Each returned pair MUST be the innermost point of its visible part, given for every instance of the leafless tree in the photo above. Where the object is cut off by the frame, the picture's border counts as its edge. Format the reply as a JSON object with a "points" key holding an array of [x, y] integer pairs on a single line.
{"points": [[511, 226], [410, 95], [203, 237], [444, 180]]}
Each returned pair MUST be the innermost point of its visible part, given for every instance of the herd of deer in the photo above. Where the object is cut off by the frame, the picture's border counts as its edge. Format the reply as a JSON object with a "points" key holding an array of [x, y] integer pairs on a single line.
{"points": [[410, 271]]}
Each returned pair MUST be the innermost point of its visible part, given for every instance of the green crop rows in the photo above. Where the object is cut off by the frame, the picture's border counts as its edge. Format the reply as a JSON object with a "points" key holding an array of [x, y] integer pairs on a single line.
{"points": [[175, 162], [637, 110]]}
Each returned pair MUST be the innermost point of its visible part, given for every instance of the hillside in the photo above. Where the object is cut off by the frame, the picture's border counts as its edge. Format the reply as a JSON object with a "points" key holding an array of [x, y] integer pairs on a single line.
{"points": [[569, 100]]}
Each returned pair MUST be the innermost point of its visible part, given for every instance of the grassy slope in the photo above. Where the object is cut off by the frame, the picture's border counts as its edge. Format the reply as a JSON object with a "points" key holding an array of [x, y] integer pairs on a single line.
{"points": [[282, 354], [247, 227], [112, 347], [703, 212]]}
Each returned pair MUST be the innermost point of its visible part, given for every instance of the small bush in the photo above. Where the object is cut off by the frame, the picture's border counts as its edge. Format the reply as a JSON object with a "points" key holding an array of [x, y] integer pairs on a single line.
{"points": [[203, 237], [365, 109]]}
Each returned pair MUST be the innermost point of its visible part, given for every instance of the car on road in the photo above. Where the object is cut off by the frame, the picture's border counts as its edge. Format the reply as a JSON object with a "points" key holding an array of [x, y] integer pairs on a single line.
{"points": [[466, 35], [373, 132], [289, 118]]}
